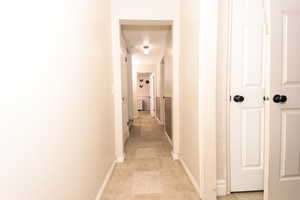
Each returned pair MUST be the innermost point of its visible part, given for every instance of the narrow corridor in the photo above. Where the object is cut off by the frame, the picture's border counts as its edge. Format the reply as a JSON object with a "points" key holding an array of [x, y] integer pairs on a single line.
{"points": [[149, 173]]}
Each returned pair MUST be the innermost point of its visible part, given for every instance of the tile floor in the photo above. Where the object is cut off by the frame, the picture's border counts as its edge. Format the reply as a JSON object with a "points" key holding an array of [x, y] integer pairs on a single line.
{"points": [[149, 173], [243, 196]]}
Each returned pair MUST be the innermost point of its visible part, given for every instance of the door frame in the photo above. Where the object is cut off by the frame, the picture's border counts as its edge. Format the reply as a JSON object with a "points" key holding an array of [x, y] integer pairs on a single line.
{"points": [[116, 30], [226, 57], [153, 95]]}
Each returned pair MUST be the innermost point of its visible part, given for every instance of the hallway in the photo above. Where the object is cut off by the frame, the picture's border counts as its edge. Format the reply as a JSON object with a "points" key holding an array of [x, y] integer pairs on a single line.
{"points": [[149, 173]]}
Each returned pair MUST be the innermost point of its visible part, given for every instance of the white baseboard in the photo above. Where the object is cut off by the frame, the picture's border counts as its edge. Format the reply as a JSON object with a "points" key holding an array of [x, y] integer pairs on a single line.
{"points": [[175, 156], [153, 114], [221, 188], [104, 184], [160, 122], [120, 159], [191, 177], [169, 139]]}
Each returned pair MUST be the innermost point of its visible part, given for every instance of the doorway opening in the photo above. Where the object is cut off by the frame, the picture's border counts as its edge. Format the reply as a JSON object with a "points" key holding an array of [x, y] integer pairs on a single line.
{"points": [[148, 77], [244, 139], [145, 92]]}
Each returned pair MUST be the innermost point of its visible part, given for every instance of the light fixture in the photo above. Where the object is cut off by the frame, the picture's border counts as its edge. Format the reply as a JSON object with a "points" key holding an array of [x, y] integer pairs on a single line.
{"points": [[146, 51], [146, 47]]}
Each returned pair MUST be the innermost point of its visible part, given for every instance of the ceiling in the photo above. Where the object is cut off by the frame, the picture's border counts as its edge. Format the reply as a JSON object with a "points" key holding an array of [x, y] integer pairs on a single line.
{"points": [[136, 36]]}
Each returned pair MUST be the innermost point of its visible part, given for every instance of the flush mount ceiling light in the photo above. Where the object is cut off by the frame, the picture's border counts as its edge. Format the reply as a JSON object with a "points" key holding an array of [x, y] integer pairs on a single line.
{"points": [[146, 47]]}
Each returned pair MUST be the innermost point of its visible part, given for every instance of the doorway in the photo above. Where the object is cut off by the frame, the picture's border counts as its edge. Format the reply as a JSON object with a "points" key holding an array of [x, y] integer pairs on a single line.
{"points": [[145, 92], [141, 41]]}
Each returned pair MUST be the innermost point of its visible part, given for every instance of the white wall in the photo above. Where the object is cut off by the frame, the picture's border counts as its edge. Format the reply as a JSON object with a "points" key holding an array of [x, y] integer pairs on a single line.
{"points": [[125, 69], [56, 102], [168, 67], [158, 80], [189, 131], [130, 92], [160, 89], [199, 23], [222, 92], [208, 57], [137, 9], [164, 78], [126, 59]]}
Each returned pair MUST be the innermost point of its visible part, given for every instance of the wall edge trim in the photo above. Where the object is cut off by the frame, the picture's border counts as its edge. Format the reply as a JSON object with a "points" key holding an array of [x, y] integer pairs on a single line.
{"points": [[191, 177], [105, 182], [169, 139]]}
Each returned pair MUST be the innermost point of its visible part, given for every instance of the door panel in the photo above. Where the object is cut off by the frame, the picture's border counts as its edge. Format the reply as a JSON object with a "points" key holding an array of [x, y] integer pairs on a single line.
{"points": [[252, 138], [284, 159], [124, 79], [291, 59], [247, 79], [290, 144]]}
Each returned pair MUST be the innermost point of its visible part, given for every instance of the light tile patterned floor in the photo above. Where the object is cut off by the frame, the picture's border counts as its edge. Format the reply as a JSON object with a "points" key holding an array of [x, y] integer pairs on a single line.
{"points": [[149, 173], [243, 196], [146, 182]]}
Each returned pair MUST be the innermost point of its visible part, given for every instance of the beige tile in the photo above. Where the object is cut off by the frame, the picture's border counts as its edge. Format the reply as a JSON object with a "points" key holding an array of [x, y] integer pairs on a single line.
{"points": [[249, 196], [181, 196], [119, 185], [149, 173], [147, 197], [143, 153], [167, 162], [227, 197], [151, 164], [146, 182]]}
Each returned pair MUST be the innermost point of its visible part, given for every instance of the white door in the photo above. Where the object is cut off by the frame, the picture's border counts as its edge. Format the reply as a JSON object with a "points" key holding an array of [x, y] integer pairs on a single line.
{"points": [[152, 95], [125, 117], [284, 159], [247, 92]]}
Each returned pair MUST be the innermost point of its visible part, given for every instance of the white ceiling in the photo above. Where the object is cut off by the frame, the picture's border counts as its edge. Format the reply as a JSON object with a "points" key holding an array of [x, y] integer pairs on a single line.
{"points": [[135, 36]]}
